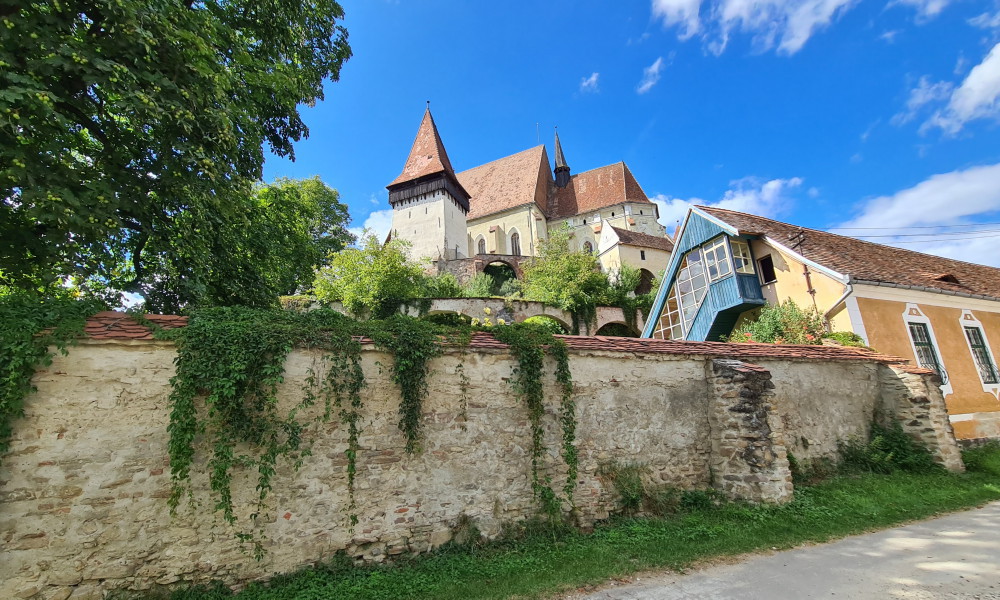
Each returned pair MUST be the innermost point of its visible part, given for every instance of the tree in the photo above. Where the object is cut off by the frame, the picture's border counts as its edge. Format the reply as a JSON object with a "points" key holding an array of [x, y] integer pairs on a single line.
{"points": [[372, 280], [131, 132], [568, 280]]}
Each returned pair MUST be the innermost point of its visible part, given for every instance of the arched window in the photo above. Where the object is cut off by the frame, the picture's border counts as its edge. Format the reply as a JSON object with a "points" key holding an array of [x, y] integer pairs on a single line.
{"points": [[515, 244], [588, 248], [481, 246]]}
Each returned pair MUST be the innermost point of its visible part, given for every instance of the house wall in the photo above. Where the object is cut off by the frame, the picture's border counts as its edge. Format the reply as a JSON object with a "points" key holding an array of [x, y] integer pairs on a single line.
{"points": [[83, 488], [791, 283], [974, 411]]}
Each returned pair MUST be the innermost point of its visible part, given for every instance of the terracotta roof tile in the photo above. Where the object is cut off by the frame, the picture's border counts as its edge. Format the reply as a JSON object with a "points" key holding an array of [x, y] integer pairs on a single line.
{"points": [[112, 325], [867, 261], [427, 156], [596, 189], [635, 238], [516, 180], [122, 326]]}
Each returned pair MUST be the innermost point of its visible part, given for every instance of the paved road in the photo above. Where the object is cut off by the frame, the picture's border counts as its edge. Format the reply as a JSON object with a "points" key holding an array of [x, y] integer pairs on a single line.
{"points": [[956, 557]]}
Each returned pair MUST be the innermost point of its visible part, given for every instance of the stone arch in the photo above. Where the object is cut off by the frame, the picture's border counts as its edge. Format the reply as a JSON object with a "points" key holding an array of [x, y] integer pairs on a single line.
{"points": [[565, 327], [588, 248], [646, 278]]}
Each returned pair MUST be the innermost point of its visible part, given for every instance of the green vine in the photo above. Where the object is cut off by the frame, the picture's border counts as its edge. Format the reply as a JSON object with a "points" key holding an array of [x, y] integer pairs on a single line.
{"points": [[528, 344], [30, 327], [233, 358], [412, 343]]}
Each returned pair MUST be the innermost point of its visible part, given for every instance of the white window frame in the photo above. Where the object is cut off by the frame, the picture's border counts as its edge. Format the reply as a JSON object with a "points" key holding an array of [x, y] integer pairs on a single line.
{"points": [[913, 314], [968, 319], [710, 258], [741, 254]]}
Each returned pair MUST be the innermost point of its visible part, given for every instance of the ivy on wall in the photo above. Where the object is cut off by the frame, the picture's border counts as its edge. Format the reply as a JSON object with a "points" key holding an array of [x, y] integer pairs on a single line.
{"points": [[230, 362], [30, 328]]}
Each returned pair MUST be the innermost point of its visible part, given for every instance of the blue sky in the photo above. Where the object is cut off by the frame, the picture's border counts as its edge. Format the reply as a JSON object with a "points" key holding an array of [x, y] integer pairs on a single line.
{"points": [[873, 114]]}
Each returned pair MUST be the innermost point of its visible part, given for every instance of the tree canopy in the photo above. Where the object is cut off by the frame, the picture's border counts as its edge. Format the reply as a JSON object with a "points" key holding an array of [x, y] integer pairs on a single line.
{"points": [[372, 280], [131, 132]]}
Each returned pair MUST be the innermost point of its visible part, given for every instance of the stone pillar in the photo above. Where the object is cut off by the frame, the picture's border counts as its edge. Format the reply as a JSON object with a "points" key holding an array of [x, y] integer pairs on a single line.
{"points": [[749, 460], [912, 395]]}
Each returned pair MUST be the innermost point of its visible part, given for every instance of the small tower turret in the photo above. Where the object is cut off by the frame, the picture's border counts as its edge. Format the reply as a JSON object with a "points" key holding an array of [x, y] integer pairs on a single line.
{"points": [[562, 169]]}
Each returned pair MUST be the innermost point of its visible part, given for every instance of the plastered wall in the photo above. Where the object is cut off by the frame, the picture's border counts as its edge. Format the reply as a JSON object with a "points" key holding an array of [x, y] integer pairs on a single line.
{"points": [[83, 490]]}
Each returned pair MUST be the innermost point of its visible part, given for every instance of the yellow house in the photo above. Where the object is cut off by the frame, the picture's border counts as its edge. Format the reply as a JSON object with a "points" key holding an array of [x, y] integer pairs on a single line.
{"points": [[505, 208], [939, 313]]}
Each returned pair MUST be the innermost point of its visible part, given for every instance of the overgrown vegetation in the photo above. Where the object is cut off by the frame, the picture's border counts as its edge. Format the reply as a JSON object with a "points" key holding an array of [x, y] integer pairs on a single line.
{"points": [[540, 560], [784, 323], [31, 326], [887, 450]]}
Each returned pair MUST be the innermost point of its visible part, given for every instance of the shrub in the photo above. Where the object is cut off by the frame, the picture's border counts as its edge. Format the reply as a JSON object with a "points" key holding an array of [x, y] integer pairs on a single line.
{"points": [[846, 338], [887, 450], [783, 323], [480, 286], [983, 459], [443, 285]]}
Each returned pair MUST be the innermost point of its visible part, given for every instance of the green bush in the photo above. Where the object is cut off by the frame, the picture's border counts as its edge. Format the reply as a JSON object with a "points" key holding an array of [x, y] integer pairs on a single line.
{"points": [[887, 450], [846, 338], [983, 459], [443, 285], [480, 286], [783, 323]]}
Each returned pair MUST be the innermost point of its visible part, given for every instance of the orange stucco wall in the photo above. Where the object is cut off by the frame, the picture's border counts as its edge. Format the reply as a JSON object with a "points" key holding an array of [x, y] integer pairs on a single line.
{"points": [[887, 333]]}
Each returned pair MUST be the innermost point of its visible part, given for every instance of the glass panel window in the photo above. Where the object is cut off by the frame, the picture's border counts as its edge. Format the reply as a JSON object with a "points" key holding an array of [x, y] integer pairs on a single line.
{"points": [[717, 259], [981, 353], [515, 244], [927, 356], [741, 257]]}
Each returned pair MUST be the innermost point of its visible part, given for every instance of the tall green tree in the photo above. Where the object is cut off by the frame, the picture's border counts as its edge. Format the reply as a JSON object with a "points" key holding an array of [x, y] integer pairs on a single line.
{"points": [[372, 280], [131, 132], [566, 279]]}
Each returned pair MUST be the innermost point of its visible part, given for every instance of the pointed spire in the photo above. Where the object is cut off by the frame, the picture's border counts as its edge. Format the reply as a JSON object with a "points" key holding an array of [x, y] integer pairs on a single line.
{"points": [[562, 169], [427, 159], [427, 156]]}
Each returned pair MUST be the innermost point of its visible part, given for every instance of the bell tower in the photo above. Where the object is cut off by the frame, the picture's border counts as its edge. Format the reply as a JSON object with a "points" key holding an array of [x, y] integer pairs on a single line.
{"points": [[429, 205]]}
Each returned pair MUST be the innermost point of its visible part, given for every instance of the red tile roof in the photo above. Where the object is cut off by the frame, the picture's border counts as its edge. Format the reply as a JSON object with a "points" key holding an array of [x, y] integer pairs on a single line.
{"points": [[111, 325], [643, 240], [867, 261], [596, 189], [427, 156], [516, 180]]}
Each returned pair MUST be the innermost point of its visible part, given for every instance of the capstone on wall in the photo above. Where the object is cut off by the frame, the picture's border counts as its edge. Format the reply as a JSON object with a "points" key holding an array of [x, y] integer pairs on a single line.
{"points": [[83, 490]]}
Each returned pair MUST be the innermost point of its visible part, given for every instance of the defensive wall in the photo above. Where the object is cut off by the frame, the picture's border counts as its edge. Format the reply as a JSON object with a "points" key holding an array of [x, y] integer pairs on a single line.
{"points": [[84, 487]]}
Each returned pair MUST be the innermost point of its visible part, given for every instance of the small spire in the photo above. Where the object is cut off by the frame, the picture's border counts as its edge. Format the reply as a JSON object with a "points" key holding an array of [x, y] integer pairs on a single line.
{"points": [[562, 169]]}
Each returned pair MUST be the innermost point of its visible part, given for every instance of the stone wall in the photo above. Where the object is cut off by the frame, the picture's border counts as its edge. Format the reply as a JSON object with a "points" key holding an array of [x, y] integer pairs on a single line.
{"points": [[83, 490]]}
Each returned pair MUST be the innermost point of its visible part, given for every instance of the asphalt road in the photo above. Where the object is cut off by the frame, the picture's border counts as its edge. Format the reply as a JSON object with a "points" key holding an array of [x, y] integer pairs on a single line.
{"points": [[956, 557]]}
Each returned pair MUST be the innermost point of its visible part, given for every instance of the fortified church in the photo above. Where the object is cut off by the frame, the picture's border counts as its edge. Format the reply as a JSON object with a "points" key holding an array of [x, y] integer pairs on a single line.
{"points": [[500, 211]]}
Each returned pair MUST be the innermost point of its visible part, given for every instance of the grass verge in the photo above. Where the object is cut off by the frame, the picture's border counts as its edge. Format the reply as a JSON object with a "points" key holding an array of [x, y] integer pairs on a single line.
{"points": [[541, 561]]}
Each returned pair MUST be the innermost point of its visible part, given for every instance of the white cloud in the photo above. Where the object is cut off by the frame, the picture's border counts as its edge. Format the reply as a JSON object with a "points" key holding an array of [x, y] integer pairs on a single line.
{"points": [[925, 93], [679, 12], [784, 24], [589, 84], [650, 76], [750, 195], [954, 198], [977, 98], [926, 9], [986, 21], [379, 221]]}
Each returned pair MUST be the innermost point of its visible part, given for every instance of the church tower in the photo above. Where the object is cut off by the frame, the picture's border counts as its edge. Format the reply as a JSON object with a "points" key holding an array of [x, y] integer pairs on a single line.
{"points": [[429, 205]]}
